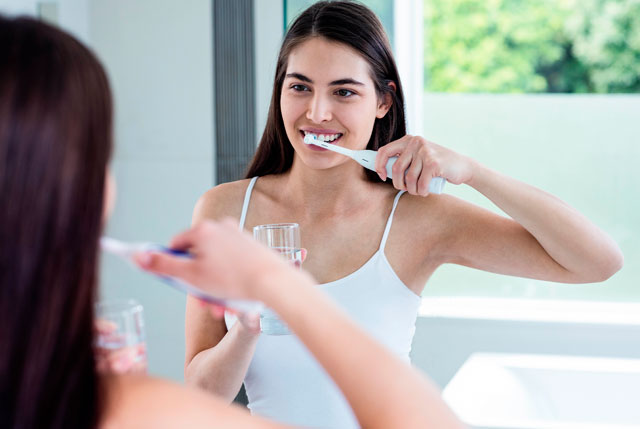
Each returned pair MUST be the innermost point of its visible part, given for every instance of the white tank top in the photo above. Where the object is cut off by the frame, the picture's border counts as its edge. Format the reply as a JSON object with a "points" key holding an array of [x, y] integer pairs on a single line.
{"points": [[285, 382]]}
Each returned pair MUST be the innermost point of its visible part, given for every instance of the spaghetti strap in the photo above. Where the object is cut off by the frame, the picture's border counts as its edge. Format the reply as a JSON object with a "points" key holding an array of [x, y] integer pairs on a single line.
{"points": [[245, 205], [390, 220]]}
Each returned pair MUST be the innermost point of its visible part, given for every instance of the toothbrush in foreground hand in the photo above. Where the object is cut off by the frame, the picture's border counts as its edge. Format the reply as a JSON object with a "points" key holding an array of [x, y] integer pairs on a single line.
{"points": [[367, 158], [127, 250]]}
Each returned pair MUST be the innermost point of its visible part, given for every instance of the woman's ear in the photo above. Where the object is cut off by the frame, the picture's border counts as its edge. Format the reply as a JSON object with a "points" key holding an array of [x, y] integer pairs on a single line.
{"points": [[386, 101]]}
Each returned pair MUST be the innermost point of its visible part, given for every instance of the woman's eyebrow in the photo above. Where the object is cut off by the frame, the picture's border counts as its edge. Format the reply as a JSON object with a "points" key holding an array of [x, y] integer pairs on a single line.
{"points": [[299, 77], [345, 81]]}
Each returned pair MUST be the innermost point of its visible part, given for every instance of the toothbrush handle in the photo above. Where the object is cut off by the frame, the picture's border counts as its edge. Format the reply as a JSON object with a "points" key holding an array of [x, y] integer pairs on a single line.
{"points": [[435, 186], [175, 252], [243, 306]]}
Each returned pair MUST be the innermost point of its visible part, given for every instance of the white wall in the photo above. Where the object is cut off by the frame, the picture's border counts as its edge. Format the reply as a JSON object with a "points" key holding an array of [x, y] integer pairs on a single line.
{"points": [[158, 54]]}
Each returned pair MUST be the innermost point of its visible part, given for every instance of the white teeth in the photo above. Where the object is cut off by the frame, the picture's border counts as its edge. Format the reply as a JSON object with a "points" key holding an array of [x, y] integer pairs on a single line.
{"points": [[323, 137]]}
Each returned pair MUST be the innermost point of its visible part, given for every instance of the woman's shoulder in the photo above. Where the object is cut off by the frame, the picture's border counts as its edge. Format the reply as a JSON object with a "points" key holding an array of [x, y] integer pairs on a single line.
{"points": [[223, 200], [226, 199], [142, 401]]}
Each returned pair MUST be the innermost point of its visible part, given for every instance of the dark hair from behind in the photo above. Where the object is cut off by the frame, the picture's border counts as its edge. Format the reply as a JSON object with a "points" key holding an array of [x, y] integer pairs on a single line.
{"points": [[351, 24], [55, 144]]}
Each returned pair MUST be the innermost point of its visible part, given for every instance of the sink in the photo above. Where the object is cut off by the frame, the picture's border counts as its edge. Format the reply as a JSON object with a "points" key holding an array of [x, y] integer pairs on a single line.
{"points": [[517, 391]]}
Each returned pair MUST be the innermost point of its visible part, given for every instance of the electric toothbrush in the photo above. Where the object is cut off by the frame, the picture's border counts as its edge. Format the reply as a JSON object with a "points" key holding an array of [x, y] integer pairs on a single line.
{"points": [[127, 250], [367, 158]]}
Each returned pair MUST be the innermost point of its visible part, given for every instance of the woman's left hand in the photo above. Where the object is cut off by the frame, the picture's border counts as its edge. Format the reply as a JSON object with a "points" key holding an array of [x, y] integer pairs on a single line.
{"points": [[420, 160]]}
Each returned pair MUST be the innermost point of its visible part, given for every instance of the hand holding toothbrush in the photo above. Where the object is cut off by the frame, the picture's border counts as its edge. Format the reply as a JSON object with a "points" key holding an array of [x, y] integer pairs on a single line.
{"points": [[223, 262], [369, 159], [421, 161]]}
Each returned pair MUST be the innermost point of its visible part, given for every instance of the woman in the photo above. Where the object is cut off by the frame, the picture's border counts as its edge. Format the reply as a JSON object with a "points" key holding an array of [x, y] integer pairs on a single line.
{"points": [[55, 144], [372, 243]]}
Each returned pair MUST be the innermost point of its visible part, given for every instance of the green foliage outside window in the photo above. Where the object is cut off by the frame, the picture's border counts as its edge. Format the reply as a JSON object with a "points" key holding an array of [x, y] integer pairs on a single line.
{"points": [[533, 46]]}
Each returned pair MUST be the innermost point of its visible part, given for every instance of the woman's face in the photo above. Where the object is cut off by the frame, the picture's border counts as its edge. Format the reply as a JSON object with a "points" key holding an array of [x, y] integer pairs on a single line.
{"points": [[328, 91]]}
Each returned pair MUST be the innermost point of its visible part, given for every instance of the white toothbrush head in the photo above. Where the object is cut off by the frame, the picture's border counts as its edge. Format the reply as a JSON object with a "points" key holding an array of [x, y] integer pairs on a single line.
{"points": [[311, 139], [116, 247]]}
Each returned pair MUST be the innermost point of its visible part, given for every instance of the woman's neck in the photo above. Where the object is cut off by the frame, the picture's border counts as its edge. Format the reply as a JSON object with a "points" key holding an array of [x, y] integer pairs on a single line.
{"points": [[328, 191]]}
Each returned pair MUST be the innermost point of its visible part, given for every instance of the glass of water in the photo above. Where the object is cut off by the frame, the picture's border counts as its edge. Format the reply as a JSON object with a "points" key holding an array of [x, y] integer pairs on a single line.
{"points": [[285, 239], [120, 337]]}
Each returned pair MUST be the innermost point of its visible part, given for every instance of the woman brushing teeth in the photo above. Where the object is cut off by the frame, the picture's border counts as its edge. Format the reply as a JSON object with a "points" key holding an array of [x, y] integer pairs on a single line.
{"points": [[373, 240], [327, 138]]}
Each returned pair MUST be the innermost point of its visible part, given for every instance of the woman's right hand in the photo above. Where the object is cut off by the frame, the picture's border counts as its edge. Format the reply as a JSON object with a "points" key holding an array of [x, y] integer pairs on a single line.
{"points": [[419, 161], [224, 262]]}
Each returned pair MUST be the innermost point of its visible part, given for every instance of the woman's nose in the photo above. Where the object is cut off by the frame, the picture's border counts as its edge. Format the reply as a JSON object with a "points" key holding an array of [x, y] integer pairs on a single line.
{"points": [[319, 109]]}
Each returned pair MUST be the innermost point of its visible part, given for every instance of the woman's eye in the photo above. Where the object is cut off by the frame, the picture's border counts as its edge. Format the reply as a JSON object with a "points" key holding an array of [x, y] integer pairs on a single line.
{"points": [[344, 93], [299, 88]]}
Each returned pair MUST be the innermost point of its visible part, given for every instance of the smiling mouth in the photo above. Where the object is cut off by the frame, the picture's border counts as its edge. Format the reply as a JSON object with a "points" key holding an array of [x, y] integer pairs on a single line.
{"points": [[327, 138]]}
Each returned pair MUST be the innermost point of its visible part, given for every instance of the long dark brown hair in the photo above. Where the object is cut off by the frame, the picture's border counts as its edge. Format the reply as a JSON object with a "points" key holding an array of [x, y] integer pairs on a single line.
{"points": [[351, 24], [55, 143]]}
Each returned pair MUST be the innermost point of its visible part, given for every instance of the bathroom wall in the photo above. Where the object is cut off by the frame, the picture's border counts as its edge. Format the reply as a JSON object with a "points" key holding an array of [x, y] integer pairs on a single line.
{"points": [[158, 54]]}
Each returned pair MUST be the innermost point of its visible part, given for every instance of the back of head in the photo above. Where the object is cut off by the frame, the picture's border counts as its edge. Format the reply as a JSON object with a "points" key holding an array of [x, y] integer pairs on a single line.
{"points": [[55, 143], [354, 25]]}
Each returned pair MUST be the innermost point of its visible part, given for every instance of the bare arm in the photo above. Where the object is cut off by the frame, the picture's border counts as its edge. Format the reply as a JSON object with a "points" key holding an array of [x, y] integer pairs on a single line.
{"points": [[383, 391], [216, 360], [553, 241], [544, 239]]}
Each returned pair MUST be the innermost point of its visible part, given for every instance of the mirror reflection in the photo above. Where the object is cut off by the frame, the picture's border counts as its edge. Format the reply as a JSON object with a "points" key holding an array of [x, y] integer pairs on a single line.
{"points": [[504, 290]]}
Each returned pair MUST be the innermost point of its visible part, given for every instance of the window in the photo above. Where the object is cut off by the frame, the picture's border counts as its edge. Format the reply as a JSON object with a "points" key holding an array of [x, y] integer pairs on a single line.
{"points": [[547, 92]]}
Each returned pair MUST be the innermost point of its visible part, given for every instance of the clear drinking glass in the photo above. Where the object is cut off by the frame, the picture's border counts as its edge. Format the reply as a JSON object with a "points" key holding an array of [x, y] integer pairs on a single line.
{"points": [[120, 337], [285, 239]]}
